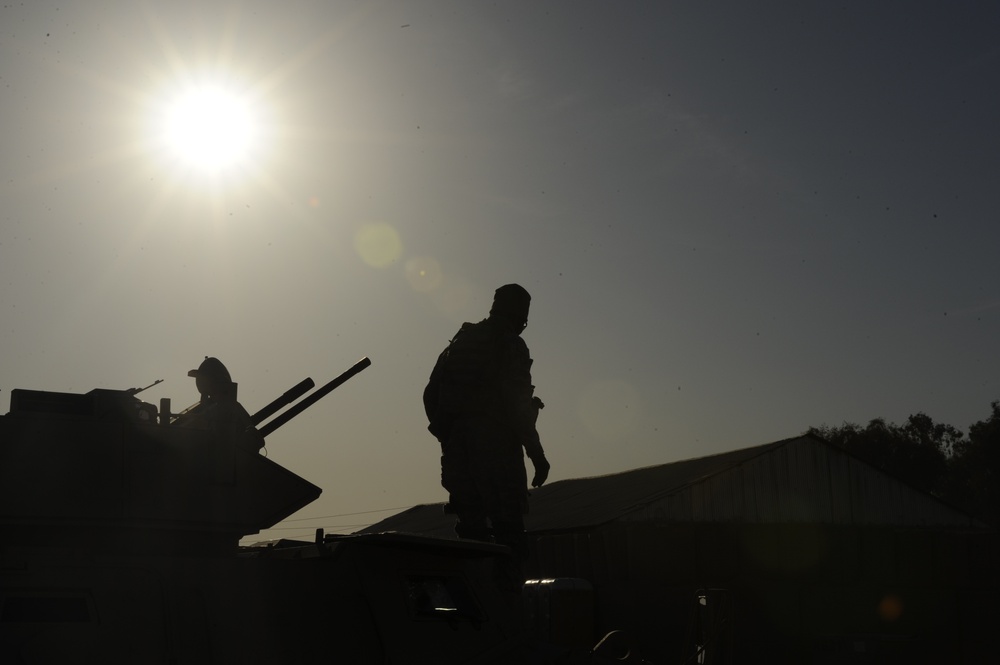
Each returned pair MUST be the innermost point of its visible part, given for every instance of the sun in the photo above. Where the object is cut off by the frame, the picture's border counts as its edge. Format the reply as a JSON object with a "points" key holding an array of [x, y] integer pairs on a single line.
{"points": [[210, 128]]}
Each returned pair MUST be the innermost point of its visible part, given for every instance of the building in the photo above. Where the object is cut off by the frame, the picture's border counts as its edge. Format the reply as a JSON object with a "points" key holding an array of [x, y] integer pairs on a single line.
{"points": [[793, 551]]}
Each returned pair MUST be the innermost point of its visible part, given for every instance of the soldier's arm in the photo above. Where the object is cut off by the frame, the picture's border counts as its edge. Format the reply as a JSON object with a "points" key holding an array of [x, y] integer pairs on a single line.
{"points": [[524, 407]]}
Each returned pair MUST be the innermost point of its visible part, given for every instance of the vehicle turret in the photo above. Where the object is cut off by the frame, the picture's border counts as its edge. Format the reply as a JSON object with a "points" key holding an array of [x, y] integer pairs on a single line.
{"points": [[108, 470]]}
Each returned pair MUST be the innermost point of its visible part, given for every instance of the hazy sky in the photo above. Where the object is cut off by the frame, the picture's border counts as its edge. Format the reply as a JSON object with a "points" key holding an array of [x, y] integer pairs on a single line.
{"points": [[736, 219]]}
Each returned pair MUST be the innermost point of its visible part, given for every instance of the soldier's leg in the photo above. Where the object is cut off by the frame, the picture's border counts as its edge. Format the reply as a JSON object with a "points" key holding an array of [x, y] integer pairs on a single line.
{"points": [[464, 498], [467, 505], [508, 529], [472, 524]]}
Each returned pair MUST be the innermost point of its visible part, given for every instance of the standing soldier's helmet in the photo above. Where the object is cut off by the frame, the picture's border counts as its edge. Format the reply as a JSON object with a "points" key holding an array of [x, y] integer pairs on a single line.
{"points": [[212, 378], [511, 301]]}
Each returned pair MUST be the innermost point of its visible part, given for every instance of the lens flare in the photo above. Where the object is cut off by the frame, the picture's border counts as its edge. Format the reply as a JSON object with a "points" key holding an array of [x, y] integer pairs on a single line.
{"points": [[890, 608], [378, 244], [423, 274]]}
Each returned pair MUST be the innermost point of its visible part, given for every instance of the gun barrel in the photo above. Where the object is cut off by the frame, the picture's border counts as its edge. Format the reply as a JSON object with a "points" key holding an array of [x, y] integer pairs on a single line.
{"points": [[135, 391], [313, 397], [289, 396]]}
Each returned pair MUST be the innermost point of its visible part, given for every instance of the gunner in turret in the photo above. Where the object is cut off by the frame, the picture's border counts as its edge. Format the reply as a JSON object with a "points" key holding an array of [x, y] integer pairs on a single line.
{"points": [[218, 409]]}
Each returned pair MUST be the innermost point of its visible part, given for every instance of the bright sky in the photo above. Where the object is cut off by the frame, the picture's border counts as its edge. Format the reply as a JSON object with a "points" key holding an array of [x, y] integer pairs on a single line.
{"points": [[737, 220]]}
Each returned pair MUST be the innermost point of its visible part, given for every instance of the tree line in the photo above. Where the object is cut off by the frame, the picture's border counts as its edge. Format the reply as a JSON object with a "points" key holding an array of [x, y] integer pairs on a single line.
{"points": [[934, 457]]}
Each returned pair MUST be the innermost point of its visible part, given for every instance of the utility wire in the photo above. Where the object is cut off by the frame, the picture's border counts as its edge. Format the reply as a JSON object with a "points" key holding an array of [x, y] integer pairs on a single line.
{"points": [[336, 527], [327, 517], [299, 528]]}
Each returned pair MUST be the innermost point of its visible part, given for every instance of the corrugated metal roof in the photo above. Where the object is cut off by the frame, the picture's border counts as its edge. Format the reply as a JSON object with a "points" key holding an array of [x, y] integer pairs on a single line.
{"points": [[804, 479]]}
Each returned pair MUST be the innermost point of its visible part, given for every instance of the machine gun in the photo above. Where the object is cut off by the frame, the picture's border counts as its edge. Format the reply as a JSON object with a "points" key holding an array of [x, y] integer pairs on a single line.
{"points": [[290, 395], [132, 392], [293, 394]]}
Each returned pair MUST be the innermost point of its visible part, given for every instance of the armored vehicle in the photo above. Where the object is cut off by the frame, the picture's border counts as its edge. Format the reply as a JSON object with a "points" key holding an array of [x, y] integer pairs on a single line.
{"points": [[120, 525]]}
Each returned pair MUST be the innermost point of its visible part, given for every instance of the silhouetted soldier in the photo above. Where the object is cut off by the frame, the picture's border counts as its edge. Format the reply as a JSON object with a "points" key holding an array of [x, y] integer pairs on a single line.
{"points": [[218, 409], [481, 407]]}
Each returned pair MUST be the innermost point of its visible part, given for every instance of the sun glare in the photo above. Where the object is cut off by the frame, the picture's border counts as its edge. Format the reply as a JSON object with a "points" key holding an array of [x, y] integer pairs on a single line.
{"points": [[209, 128]]}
